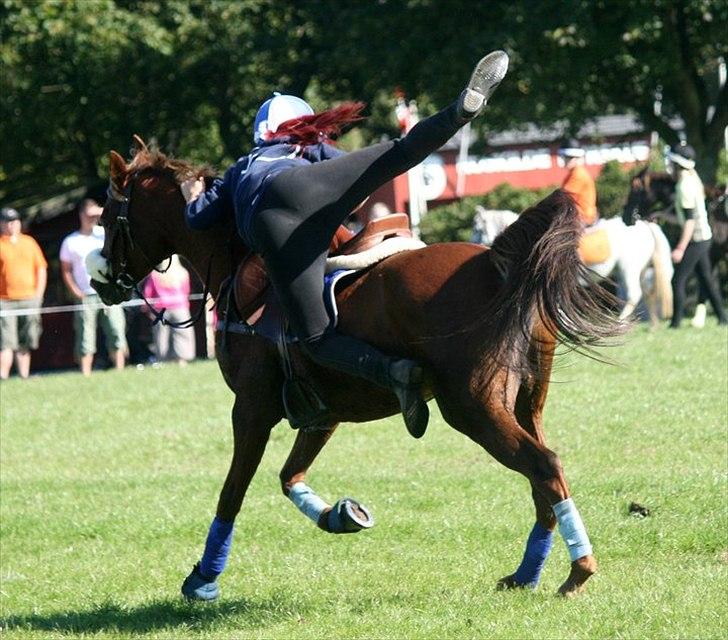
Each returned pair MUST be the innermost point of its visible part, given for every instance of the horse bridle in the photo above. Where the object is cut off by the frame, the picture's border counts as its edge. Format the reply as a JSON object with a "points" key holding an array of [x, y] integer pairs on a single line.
{"points": [[122, 231], [121, 277]]}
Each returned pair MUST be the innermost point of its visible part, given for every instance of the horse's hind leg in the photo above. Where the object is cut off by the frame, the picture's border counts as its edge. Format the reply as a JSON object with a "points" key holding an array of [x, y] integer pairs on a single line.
{"points": [[347, 515], [494, 426], [529, 407], [251, 430]]}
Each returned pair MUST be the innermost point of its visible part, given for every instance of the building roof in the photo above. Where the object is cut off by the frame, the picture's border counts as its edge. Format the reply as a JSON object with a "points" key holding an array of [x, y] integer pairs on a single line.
{"points": [[600, 127]]}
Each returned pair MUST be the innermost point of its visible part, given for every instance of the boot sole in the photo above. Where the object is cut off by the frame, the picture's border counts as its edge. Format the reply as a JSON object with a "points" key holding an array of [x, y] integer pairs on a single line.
{"points": [[488, 74]]}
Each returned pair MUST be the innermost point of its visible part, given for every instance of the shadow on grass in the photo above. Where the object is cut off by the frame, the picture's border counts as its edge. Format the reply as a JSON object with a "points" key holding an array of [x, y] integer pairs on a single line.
{"points": [[163, 614]]}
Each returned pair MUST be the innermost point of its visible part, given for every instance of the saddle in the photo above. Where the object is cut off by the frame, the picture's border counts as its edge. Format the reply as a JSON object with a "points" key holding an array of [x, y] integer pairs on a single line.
{"points": [[594, 247], [251, 287]]}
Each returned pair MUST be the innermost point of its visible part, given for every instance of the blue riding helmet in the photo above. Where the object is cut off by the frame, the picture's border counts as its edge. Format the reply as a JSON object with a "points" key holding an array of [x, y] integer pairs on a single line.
{"points": [[275, 111]]}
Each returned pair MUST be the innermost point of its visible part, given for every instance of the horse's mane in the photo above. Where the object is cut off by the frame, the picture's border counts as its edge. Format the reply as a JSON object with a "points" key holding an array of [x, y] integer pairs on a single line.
{"points": [[152, 159]]}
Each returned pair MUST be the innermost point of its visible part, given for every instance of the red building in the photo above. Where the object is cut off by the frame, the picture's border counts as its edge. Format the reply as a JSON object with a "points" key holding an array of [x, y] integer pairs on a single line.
{"points": [[525, 158]]}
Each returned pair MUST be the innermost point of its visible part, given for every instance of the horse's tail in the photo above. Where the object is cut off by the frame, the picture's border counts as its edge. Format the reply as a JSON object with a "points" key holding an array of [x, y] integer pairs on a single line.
{"points": [[662, 264], [543, 278]]}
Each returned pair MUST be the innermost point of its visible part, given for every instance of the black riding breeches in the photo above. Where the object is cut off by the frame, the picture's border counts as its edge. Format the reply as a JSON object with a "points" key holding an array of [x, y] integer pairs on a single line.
{"points": [[302, 208], [695, 259]]}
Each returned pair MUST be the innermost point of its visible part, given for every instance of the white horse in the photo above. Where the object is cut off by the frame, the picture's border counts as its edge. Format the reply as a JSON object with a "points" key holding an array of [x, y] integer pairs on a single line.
{"points": [[639, 255], [488, 224]]}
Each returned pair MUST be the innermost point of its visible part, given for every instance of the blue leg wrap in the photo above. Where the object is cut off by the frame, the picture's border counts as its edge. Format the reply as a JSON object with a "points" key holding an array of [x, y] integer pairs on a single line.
{"points": [[572, 529], [538, 548], [217, 548]]}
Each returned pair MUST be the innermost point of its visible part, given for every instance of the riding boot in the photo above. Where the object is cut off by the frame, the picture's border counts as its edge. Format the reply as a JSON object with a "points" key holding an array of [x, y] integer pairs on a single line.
{"points": [[484, 80], [402, 376]]}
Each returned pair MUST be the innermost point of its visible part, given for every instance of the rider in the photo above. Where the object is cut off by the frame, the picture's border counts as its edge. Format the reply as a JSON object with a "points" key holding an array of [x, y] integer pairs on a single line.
{"points": [[578, 181], [294, 189]]}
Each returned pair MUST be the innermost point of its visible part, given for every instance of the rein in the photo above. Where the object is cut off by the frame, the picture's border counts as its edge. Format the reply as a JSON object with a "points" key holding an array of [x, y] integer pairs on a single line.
{"points": [[123, 279]]}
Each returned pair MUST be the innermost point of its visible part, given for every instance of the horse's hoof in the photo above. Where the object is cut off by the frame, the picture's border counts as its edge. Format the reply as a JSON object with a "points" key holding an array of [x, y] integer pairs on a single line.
{"points": [[509, 582], [348, 516], [197, 587], [581, 570]]}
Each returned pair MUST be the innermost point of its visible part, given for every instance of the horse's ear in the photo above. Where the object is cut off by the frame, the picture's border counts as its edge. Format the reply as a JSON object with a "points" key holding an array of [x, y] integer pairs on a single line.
{"points": [[139, 143], [117, 169]]}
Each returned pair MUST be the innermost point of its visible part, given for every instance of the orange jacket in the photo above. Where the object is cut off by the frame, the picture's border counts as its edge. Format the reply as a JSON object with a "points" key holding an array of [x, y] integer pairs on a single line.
{"points": [[580, 185], [20, 262]]}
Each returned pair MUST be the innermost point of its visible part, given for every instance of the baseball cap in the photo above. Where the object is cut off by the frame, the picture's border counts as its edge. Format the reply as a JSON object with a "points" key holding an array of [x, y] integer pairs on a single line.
{"points": [[570, 148], [8, 214], [684, 156]]}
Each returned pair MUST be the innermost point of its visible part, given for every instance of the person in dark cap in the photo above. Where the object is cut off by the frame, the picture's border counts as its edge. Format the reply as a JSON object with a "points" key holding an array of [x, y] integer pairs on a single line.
{"points": [[578, 181], [691, 255], [23, 277]]}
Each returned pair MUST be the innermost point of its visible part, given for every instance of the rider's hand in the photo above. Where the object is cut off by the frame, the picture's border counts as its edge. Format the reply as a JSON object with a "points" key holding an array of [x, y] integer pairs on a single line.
{"points": [[192, 188]]}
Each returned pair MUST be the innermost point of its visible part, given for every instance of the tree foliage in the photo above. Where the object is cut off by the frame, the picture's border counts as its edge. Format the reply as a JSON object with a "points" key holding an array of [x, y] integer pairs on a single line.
{"points": [[79, 77]]}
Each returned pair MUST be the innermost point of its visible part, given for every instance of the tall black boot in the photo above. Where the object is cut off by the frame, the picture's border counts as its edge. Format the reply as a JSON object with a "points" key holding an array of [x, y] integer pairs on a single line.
{"points": [[403, 377]]}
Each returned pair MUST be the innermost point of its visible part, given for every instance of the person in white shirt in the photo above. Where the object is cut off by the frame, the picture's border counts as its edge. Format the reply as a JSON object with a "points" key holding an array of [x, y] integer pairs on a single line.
{"points": [[74, 249], [691, 255]]}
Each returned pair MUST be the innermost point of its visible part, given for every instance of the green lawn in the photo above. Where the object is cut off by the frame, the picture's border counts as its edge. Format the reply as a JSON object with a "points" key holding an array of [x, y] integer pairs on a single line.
{"points": [[109, 484]]}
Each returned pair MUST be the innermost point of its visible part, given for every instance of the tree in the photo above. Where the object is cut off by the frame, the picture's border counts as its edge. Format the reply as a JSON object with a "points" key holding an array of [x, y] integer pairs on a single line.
{"points": [[79, 77], [570, 61], [628, 54]]}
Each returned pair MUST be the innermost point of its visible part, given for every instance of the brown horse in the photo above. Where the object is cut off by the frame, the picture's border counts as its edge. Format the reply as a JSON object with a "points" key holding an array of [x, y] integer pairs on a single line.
{"points": [[483, 322]]}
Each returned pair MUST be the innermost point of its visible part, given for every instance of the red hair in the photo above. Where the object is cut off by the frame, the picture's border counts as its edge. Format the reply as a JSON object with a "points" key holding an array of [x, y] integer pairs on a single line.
{"points": [[318, 127]]}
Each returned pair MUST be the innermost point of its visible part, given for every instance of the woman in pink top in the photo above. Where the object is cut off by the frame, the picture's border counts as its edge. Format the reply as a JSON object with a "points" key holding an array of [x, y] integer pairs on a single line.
{"points": [[170, 290]]}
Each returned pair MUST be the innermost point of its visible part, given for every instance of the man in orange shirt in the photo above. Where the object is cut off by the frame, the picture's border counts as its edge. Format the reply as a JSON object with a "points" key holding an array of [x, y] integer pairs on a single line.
{"points": [[23, 276], [578, 181]]}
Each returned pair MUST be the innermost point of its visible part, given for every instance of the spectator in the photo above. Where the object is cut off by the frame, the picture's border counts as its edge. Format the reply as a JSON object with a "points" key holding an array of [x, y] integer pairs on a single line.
{"points": [[578, 181], [23, 277], [691, 255], [171, 286], [74, 250]]}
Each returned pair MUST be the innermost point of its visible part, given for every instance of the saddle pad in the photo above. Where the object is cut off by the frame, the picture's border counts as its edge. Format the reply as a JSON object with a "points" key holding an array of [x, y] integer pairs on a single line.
{"points": [[269, 324], [594, 247], [377, 253]]}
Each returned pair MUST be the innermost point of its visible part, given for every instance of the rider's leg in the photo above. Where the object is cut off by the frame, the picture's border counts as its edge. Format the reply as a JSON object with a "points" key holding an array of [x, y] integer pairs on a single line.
{"points": [[301, 210], [299, 282], [335, 187]]}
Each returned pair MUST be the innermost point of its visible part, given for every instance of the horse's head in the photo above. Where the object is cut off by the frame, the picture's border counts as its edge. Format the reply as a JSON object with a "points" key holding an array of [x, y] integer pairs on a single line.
{"points": [[647, 190], [139, 198]]}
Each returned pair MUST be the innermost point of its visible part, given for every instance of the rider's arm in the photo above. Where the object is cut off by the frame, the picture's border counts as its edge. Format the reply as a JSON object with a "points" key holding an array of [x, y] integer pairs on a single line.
{"points": [[211, 206], [329, 151]]}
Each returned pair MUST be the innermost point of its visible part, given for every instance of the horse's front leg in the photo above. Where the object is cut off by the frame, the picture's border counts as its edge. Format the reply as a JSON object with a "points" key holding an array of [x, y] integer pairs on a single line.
{"points": [[347, 515], [251, 430]]}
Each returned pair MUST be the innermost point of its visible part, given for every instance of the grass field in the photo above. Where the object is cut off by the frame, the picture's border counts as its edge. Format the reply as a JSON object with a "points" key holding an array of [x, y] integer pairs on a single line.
{"points": [[109, 484]]}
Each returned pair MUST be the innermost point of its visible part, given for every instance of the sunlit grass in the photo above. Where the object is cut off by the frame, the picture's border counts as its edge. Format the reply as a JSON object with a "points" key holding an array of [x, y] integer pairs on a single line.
{"points": [[109, 484]]}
